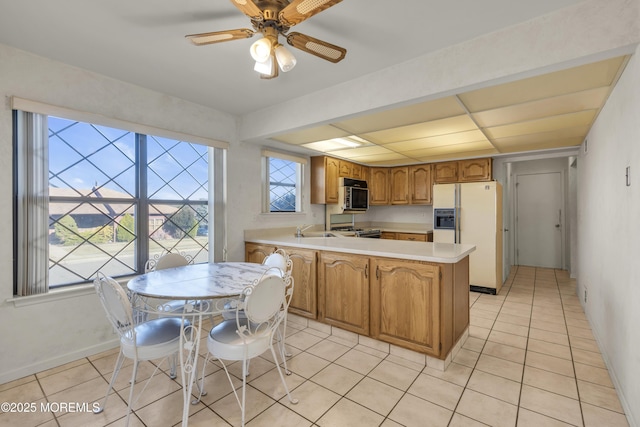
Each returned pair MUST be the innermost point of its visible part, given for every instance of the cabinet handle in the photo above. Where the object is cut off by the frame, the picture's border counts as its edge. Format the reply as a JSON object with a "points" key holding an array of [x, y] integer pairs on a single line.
{"points": [[377, 272], [366, 271]]}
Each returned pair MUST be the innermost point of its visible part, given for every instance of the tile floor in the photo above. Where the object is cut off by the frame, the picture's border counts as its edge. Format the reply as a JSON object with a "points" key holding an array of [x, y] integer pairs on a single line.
{"points": [[530, 360]]}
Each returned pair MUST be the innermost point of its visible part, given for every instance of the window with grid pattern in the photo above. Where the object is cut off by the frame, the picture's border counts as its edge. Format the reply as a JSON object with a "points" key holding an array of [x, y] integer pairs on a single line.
{"points": [[284, 177]]}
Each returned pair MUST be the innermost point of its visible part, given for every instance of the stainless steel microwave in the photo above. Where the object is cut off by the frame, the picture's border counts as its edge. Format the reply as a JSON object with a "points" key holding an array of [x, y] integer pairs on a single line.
{"points": [[354, 195]]}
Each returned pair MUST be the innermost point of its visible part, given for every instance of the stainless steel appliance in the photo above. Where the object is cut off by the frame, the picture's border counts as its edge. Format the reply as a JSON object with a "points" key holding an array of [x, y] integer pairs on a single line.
{"points": [[371, 233], [471, 213]]}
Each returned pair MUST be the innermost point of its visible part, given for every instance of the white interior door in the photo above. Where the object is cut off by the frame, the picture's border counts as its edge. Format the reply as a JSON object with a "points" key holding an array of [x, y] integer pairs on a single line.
{"points": [[539, 220]]}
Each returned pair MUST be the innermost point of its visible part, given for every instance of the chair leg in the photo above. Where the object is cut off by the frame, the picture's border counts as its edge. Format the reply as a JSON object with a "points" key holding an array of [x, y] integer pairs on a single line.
{"points": [[173, 362], [131, 386], [244, 382], [114, 375], [286, 388], [282, 350]]}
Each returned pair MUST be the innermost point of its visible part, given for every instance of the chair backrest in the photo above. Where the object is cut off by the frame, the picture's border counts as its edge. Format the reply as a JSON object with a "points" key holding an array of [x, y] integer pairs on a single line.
{"points": [[168, 260], [280, 259], [262, 302], [116, 305]]}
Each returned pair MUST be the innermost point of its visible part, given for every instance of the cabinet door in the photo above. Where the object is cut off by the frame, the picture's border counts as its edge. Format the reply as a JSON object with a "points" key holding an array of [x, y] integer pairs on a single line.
{"points": [[305, 291], [400, 186], [254, 252], [475, 170], [405, 304], [379, 186], [345, 169], [420, 185], [388, 235], [445, 172], [343, 291], [356, 171], [331, 168]]}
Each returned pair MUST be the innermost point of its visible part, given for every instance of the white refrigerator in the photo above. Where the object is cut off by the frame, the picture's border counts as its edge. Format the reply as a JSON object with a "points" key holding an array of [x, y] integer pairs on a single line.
{"points": [[471, 213]]}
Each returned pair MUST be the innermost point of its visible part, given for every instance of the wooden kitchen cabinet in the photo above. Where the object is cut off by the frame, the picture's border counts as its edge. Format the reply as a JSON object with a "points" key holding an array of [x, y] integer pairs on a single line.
{"points": [[343, 291], [379, 187], [388, 235], [324, 180], [445, 172], [420, 184], [405, 304], [345, 169], [474, 170], [399, 185], [304, 301], [414, 237], [254, 252]]}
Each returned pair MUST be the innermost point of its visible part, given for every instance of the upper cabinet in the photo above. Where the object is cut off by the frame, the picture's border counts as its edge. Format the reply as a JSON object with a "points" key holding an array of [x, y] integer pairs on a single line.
{"points": [[475, 170], [401, 185], [325, 177], [379, 186], [445, 172], [324, 180], [420, 184], [462, 171]]}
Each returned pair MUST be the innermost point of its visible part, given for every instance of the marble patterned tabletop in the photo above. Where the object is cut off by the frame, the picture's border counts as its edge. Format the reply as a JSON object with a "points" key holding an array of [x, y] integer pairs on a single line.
{"points": [[198, 281]]}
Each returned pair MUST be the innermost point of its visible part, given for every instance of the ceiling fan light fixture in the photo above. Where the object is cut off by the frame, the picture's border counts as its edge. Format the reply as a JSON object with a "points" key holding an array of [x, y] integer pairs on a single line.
{"points": [[261, 50], [264, 67], [285, 58]]}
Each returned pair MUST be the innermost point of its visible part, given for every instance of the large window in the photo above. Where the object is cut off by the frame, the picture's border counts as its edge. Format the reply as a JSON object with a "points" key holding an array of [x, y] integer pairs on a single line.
{"points": [[284, 183], [116, 198]]}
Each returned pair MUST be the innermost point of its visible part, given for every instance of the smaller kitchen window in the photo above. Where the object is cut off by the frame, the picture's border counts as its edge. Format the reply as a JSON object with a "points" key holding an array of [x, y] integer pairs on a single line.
{"points": [[283, 182]]}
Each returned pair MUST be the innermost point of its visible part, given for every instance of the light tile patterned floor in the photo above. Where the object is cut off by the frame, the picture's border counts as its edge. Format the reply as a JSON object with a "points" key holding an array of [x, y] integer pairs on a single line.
{"points": [[530, 360]]}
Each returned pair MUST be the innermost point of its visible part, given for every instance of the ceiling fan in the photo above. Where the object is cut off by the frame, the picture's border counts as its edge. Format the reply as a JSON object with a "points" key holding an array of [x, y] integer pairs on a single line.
{"points": [[273, 18]]}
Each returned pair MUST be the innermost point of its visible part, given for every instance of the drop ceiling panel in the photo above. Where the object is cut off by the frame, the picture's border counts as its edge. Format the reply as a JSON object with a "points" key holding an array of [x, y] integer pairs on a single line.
{"points": [[318, 133], [575, 79], [554, 123], [585, 100], [422, 130], [569, 134], [467, 154], [450, 149], [379, 158], [540, 145], [417, 113], [437, 141], [362, 151]]}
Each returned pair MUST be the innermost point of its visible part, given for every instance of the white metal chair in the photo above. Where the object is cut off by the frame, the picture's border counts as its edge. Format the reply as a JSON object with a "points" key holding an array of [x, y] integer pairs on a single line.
{"points": [[280, 260], [260, 310], [149, 340]]}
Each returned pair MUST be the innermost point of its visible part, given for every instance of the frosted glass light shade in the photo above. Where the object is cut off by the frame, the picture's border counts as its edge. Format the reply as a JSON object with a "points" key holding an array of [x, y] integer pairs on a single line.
{"points": [[261, 50], [286, 60], [264, 67]]}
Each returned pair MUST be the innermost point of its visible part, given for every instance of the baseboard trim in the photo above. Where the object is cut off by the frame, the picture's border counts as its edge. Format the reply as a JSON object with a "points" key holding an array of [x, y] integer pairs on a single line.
{"points": [[43, 365]]}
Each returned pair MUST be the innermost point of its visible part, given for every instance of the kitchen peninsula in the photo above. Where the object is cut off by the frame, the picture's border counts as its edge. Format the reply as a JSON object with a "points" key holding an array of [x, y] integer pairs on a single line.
{"points": [[411, 294]]}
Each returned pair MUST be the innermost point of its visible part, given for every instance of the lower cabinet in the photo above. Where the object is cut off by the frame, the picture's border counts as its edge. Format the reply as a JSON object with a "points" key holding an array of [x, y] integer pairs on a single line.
{"points": [[421, 306], [304, 301], [343, 291], [405, 304]]}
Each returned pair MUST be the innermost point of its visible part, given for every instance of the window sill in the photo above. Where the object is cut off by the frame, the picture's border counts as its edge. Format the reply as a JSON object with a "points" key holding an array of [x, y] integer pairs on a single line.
{"points": [[55, 295]]}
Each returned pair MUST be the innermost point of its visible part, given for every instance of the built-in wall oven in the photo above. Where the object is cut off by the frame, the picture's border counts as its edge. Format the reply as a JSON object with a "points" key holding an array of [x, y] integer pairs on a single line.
{"points": [[354, 195]]}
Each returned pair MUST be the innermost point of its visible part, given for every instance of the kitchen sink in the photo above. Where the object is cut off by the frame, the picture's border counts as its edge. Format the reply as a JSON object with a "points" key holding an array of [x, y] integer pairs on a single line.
{"points": [[318, 234]]}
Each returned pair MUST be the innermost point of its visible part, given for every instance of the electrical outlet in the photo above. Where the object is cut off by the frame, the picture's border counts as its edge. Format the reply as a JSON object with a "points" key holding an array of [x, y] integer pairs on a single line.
{"points": [[585, 295]]}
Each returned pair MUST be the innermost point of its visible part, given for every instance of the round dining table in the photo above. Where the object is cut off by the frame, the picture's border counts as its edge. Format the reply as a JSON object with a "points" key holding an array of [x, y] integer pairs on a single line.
{"points": [[202, 285]]}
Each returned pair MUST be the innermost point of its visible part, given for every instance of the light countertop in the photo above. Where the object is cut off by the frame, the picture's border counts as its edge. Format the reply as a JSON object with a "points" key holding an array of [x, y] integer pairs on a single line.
{"points": [[447, 253]]}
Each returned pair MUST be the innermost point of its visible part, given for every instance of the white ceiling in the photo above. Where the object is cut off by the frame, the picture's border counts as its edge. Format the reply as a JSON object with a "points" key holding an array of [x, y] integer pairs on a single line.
{"points": [[142, 42]]}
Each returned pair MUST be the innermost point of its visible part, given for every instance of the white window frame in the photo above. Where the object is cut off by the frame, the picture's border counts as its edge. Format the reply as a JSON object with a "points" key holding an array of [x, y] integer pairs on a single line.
{"points": [[266, 181]]}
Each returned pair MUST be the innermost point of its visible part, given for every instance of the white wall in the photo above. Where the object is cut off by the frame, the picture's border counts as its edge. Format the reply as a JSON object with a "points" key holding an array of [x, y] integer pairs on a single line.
{"points": [[609, 235], [43, 335]]}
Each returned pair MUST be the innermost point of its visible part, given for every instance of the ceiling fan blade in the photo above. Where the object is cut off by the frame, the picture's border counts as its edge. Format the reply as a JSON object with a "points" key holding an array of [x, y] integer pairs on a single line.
{"points": [[317, 47], [249, 8], [219, 36], [299, 10]]}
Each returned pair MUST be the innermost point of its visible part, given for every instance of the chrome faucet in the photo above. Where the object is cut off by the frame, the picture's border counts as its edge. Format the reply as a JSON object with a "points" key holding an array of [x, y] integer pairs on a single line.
{"points": [[301, 228]]}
